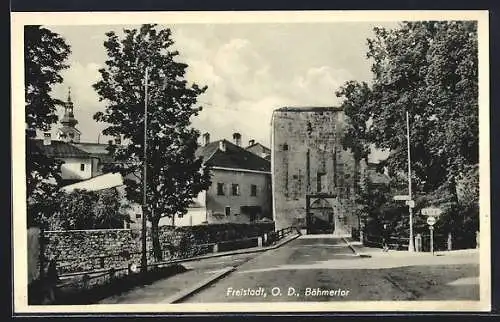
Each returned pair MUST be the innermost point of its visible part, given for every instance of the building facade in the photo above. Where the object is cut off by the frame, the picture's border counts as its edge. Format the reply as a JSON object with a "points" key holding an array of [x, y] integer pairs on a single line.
{"points": [[240, 190], [314, 177]]}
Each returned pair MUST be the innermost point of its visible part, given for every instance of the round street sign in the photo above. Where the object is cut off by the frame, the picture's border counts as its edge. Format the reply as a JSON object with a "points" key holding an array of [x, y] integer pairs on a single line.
{"points": [[431, 220]]}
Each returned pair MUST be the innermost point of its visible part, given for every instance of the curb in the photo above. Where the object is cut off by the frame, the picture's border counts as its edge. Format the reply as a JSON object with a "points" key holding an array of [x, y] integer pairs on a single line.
{"points": [[191, 290], [354, 250], [198, 286], [237, 252]]}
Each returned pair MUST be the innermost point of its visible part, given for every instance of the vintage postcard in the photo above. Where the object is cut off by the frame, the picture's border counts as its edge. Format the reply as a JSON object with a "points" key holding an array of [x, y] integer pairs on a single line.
{"points": [[298, 161]]}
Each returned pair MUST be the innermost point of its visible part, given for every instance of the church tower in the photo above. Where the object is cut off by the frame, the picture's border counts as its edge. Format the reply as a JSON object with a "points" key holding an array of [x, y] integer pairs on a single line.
{"points": [[68, 132]]}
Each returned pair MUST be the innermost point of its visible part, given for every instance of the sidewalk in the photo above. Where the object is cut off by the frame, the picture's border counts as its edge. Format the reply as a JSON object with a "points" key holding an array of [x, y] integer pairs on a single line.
{"points": [[202, 271], [359, 249]]}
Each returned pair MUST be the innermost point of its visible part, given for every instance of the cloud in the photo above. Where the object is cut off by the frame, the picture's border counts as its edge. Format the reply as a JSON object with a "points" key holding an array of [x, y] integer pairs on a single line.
{"points": [[248, 74], [243, 91]]}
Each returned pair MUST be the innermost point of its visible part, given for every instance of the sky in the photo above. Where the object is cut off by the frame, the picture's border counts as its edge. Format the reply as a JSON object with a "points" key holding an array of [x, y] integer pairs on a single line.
{"points": [[250, 70]]}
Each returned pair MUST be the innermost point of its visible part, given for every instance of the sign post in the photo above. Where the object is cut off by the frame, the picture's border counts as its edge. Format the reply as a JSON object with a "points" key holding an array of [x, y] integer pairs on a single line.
{"points": [[431, 221]]}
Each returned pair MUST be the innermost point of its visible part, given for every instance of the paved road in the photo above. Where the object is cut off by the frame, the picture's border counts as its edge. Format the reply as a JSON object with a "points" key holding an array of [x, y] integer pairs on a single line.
{"points": [[160, 290], [321, 268]]}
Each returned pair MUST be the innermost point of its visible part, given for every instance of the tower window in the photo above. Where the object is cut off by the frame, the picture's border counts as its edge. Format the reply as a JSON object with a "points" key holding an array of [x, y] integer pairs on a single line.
{"points": [[321, 182]]}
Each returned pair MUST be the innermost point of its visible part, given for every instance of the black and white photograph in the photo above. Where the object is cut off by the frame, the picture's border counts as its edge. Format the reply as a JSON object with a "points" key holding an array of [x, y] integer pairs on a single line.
{"points": [[251, 161]]}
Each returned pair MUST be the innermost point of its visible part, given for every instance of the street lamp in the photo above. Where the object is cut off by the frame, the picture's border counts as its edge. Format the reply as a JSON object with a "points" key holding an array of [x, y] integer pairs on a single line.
{"points": [[411, 247], [144, 259]]}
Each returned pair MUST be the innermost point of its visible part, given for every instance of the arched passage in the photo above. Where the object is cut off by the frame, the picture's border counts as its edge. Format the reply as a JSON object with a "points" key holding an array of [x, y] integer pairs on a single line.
{"points": [[320, 218]]}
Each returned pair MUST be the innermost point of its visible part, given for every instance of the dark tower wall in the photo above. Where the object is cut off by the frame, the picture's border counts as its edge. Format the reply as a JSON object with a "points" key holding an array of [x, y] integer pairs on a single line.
{"points": [[308, 158]]}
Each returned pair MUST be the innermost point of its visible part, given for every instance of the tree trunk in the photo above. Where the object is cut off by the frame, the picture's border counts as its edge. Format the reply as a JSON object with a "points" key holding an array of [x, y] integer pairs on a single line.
{"points": [[157, 252]]}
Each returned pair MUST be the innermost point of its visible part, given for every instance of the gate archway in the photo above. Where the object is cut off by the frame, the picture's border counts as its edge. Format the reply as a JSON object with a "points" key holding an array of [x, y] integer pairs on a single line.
{"points": [[320, 217]]}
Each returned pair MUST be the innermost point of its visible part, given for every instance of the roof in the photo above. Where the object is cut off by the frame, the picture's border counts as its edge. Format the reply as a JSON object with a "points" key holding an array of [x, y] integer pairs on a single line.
{"points": [[377, 177], [104, 181], [309, 109], [97, 150], [59, 149], [62, 149], [68, 129], [234, 157], [257, 144]]}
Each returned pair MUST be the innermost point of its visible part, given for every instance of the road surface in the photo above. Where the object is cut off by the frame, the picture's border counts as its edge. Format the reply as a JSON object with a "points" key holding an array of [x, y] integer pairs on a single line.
{"points": [[321, 268]]}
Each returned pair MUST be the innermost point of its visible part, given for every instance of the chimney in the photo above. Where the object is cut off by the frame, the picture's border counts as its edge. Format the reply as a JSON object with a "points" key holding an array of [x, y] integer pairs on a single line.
{"points": [[251, 142], [118, 140], [222, 145], [47, 140], [237, 139], [206, 138]]}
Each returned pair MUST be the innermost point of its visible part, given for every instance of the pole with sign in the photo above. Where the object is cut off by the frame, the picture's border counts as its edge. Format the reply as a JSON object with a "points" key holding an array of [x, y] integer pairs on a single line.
{"points": [[431, 220]]}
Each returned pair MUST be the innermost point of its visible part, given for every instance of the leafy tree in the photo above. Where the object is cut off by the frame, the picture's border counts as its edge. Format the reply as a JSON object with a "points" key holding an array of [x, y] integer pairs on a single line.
{"points": [[45, 55], [429, 69], [174, 175], [83, 209]]}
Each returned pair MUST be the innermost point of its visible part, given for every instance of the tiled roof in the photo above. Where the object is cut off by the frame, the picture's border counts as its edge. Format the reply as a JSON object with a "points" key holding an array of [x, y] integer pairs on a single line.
{"points": [[234, 157], [257, 144], [97, 150], [59, 149], [63, 149]]}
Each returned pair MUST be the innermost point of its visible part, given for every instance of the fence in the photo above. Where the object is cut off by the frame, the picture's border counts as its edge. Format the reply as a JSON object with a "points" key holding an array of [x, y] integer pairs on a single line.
{"points": [[394, 242], [441, 242]]}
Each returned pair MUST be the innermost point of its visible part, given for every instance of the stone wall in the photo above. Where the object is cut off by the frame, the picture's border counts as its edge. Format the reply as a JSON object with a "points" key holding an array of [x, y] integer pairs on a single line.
{"points": [[83, 250]]}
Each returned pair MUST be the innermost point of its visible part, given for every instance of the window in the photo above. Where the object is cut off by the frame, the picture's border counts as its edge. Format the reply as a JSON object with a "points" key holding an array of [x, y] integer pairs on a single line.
{"points": [[253, 190], [220, 189], [285, 147], [137, 216], [321, 182], [82, 167], [235, 189], [228, 211]]}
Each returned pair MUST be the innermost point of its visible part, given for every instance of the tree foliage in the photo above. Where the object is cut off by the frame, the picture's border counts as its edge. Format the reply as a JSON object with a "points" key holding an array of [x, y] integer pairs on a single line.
{"points": [[82, 209], [174, 175], [430, 70], [45, 55]]}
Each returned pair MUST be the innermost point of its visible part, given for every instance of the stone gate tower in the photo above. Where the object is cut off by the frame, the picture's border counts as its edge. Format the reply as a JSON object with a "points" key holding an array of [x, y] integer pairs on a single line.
{"points": [[314, 177]]}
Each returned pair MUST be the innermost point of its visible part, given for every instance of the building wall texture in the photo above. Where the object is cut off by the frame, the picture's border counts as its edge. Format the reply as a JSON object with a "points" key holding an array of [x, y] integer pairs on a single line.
{"points": [[308, 158], [216, 204], [71, 168]]}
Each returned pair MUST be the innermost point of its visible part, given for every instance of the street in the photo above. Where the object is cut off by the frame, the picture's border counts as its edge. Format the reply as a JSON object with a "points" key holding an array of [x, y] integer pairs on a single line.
{"points": [[320, 268]]}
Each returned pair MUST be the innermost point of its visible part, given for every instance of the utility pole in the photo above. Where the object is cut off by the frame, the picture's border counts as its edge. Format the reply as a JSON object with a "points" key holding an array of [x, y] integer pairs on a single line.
{"points": [[411, 247], [144, 259]]}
